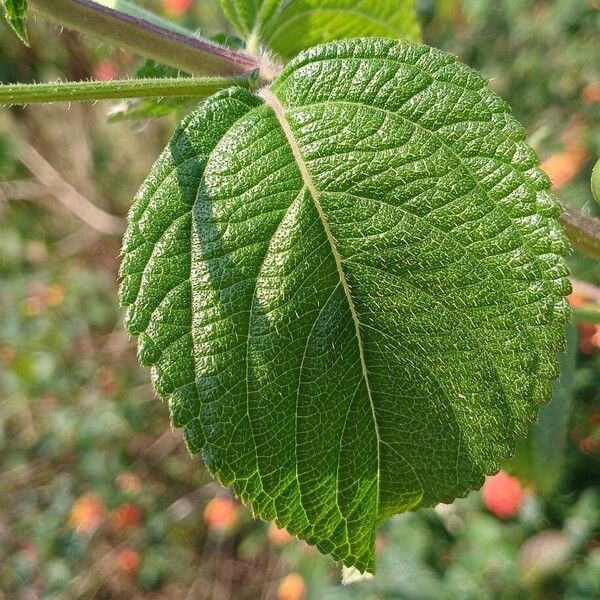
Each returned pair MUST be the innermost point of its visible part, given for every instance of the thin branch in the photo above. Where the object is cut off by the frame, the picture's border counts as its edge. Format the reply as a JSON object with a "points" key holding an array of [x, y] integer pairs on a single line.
{"points": [[66, 194], [85, 91], [21, 190], [185, 52]]}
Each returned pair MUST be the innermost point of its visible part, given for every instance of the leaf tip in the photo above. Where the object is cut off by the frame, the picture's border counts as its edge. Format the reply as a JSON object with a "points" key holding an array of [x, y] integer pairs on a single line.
{"points": [[15, 12], [353, 575]]}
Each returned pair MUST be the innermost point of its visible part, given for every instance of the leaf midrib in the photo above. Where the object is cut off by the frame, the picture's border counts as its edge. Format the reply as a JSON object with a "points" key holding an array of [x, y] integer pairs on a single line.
{"points": [[275, 105], [436, 136]]}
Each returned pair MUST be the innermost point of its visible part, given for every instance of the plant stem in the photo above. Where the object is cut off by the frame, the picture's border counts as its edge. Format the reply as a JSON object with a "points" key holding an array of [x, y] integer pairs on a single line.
{"points": [[583, 232], [141, 36], [66, 194], [83, 91]]}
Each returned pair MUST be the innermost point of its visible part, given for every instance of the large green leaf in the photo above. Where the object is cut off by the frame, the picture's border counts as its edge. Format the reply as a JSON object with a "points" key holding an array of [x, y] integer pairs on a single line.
{"points": [[16, 16], [351, 286], [289, 26]]}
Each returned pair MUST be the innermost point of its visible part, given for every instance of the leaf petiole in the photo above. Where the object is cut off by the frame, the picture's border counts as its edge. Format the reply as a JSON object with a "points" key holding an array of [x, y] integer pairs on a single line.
{"points": [[85, 91]]}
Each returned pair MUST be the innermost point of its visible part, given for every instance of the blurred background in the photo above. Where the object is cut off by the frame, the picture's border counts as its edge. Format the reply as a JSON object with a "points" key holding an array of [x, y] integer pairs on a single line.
{"points": [[99, 497]]}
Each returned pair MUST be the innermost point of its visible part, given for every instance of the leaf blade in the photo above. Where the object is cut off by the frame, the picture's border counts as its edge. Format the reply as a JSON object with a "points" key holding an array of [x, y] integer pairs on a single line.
{"points": [[156, 248], [301, 24], [447, 288], [289, 27]]}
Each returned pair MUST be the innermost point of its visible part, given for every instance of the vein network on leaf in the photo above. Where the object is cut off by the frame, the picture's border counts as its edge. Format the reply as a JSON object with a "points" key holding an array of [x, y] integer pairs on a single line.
{"points": [[350, 286]]}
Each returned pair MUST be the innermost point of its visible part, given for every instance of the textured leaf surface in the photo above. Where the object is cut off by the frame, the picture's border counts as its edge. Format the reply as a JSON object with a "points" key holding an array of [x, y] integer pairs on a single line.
{"points": [[351, 287], [287, 27], [16, 16], [156, 266]]}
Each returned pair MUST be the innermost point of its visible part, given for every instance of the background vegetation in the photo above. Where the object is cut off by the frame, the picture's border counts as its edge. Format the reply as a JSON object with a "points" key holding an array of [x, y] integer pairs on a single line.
{"points": [[98, 496]]}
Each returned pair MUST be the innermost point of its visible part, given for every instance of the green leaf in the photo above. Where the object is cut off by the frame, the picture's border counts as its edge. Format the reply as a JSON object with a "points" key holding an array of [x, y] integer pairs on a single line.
{"points": [[287, 27], [301, 24], [595, 182], [248, 15], [144, 109], [16, 16], [351, 287]]}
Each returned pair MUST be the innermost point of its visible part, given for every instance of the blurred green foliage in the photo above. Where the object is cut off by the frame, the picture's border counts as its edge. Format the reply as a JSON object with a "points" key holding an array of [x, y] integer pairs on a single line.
{"points": [[98, 497]]}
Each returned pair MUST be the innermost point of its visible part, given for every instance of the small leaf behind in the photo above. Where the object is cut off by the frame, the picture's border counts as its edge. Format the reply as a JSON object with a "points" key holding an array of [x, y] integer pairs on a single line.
{"points": [[144, 108], [301, 24], [287, 27], [16, 16], [248, 15]]}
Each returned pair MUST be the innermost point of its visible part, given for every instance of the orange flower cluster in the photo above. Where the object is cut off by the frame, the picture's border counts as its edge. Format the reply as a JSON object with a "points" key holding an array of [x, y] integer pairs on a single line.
{"points": [[128, 561], [40, 297], [590, 94], [126, 517], [279, 537], [106, 70], [292, 587], [129, 483]]}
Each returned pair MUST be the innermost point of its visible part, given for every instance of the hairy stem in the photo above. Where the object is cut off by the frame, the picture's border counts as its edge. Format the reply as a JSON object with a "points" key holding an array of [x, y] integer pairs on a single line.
{"points": [[583, 232], [83, 91], [185, 52]]}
